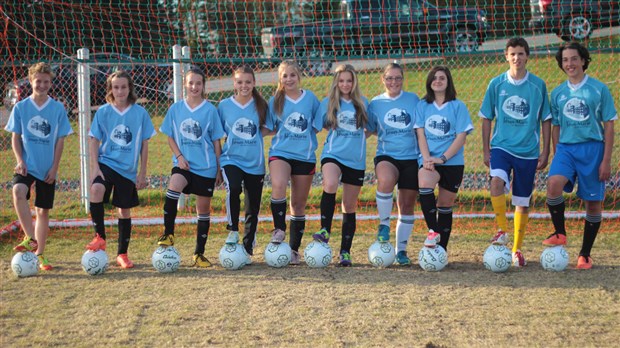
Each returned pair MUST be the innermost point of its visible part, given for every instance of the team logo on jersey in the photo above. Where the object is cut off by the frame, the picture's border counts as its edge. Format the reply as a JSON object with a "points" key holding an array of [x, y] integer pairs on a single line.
{"points": [[296, 123], [121, 135], [191, 129], [244, 128], [397, 118], [437, 125], [576, 109], [346, 121], [39, 127], [516, 107]]}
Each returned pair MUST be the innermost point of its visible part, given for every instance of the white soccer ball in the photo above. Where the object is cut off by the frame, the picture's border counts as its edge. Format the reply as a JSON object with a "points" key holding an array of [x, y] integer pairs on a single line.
{"points": [[278, 254], [381, 254], [554, 258], [95, 262], [233, 256], [166, 259], [25, 264], [318, 254], [433, 259], [497, 258]]}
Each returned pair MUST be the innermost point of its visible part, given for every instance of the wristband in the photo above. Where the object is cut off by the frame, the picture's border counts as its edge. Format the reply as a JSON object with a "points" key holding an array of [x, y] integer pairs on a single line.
{"points": [[179, 155], [443, 158]]}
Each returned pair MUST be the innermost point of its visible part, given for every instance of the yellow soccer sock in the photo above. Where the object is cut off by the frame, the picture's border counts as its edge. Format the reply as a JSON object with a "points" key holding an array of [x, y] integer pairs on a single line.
{"points": [[499, 207], [521, 220]]}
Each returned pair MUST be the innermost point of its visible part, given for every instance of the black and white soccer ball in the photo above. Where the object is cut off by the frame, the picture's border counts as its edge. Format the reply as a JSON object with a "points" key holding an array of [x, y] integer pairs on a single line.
{"points": [[95, 262], [166, 259], [497, 258], [233, 256], [278, 254], [381, 254], [318, 254], [554, 258], [433, 259], [25, 264]]}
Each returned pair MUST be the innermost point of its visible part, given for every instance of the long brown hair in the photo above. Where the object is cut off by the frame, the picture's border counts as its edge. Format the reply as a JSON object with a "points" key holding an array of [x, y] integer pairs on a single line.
{"points": [[109, 97], [196, 71], [278, 100], [450, 89], [333, 106], [259, 101]]}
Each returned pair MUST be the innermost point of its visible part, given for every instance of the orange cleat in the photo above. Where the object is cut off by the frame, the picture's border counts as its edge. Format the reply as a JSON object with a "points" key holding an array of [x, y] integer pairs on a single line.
{"points": [[96, 244], [584, 262], [555, 239], [123, 261]]}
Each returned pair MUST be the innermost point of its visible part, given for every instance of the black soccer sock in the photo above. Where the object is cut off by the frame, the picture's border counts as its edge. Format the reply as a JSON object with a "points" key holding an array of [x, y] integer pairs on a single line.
{"points": [[444, 224], [124, 235], [590, 230], [348, 231], [96, 215], [328, 205], [278, 212], [202, 232], [170, 210], [556, 209], [298, 224], [429, 207]]}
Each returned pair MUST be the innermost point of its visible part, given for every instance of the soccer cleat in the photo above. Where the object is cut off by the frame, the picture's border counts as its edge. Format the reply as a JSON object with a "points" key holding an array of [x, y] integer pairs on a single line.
{"points": [[345, 259], [96, 244], [383, 233], [517, 259], [295, 258], [166, 240], [233, 237], [123, 261], [28, 244], [201, 261], [277, 236], [584, 262], [321, 236], [402, 258], [555, 239], [432, 238], [500, 238], [44, 264]]}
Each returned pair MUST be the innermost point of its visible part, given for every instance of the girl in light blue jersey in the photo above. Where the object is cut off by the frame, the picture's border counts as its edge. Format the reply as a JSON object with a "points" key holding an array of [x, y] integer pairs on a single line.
{"points": [[396, 162], [291, 155], [442, 122], [193, 128], [245, 118], [344, 155]]}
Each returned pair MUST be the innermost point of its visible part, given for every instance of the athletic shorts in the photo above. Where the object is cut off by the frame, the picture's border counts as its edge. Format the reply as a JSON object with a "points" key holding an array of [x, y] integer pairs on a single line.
{"points": [[44, 192], [407, 171], [297, 167], [523, 172], [348, 175], [196, 184], [450, 177], [580, 163], [125, 194]]}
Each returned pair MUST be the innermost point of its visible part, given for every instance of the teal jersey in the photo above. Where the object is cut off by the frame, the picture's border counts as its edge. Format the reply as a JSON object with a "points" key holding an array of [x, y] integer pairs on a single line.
{"points": [[580, 110], [518, 108]]}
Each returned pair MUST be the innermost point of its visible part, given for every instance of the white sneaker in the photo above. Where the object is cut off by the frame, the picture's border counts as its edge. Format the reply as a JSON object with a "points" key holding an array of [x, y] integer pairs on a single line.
{"points": [[500, 238], [432, 238], [233, 237], [277, 236], [517, 259]]}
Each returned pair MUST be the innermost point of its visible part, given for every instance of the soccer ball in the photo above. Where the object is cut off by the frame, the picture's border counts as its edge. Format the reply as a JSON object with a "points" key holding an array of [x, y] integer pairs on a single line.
{"points": [[233, 256], [166, 259], [433, 259], [497, 258], [25, 264], [318, 254], [277, 254], [95, 262], [554, 258], [381, 254]]}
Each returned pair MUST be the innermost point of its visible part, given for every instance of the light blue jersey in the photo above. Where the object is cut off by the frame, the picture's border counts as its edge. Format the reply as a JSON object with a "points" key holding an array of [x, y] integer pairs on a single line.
{"points": [[581, 110], [441, 126], [392, 118], [40, 128], [194, 131], [346, 143], [244, 141], [121, 135], [296, 128], [519, 108]]}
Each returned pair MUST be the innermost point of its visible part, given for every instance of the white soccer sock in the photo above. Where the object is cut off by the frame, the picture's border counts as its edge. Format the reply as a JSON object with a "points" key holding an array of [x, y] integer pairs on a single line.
{"points": [[404, 227], [384, 207]]}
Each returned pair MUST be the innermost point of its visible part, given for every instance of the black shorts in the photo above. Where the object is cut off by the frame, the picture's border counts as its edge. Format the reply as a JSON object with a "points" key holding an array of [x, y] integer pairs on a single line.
{"points": [[196, 184], [450, 177], [44, 192], [349, 175], [297, 167], [125, 192], [407, 171]]}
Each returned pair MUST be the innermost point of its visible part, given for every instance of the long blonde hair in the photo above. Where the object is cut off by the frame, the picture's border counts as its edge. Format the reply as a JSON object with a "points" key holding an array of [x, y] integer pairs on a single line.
{"points": [[278, 100], [333, 107], [259, 101]]}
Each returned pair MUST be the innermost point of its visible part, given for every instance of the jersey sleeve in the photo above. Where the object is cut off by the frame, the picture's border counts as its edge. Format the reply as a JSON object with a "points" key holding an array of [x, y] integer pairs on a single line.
{"points": [[487, 109], [147, 125], [545, 110], [166, 126], [463, 120], [317, 122], [418, 115], [608, 110], [321, 112], [217, 130], [64, 127], [14, 124], [372, 119], [555, 109], [95, 129]]}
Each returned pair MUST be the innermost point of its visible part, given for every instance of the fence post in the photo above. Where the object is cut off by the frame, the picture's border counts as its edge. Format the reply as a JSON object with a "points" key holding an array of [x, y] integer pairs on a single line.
{"points": [[84, 117], [177, 73]]}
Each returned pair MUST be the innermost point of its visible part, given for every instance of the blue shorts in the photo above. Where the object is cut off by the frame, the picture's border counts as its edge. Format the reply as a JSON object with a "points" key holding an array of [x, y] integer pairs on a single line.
{"points": [[523, 173], [580, 162]]}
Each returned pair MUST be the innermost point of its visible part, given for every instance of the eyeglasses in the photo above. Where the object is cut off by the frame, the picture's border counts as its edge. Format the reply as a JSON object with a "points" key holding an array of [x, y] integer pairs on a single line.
{"points": [[393, 78]]}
